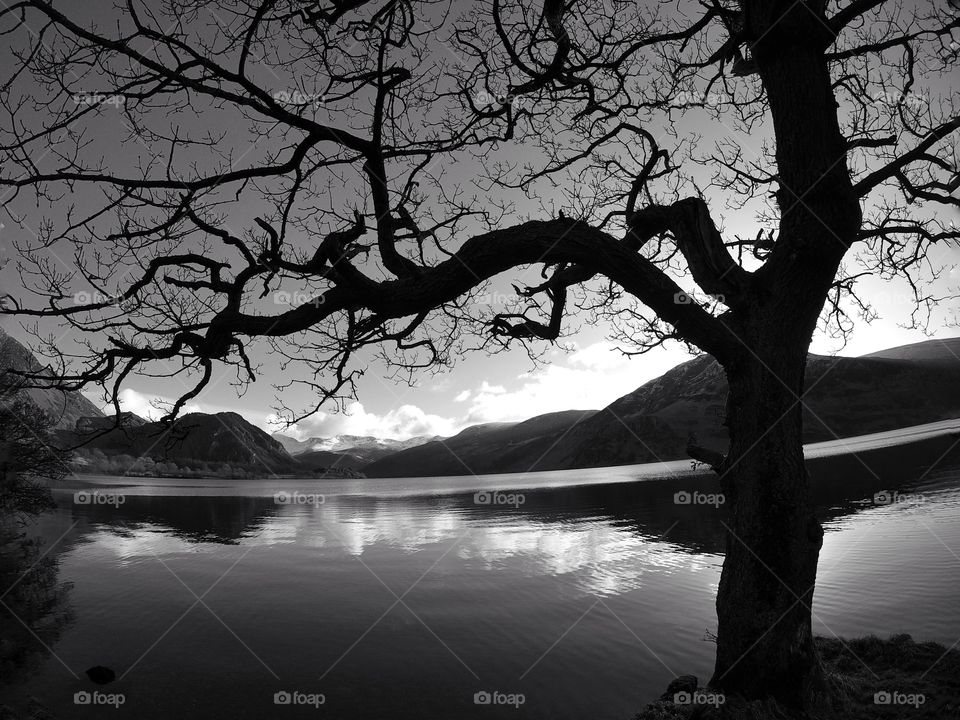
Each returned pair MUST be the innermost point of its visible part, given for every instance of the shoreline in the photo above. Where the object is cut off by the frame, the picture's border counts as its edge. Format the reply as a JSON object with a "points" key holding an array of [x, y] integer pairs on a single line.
{"points": [[865, 462], [871, 678]]}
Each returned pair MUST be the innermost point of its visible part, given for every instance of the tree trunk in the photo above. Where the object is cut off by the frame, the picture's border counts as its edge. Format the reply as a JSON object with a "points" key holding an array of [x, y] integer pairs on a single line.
{"points": [[764, 638]]}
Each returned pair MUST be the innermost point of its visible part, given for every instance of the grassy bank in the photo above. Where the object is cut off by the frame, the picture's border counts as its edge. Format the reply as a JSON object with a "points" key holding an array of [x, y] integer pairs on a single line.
{"points": [[873, 679]]}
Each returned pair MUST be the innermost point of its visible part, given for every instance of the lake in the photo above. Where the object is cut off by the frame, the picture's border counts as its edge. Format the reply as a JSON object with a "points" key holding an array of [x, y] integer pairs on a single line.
{"points": [[579, 593]]}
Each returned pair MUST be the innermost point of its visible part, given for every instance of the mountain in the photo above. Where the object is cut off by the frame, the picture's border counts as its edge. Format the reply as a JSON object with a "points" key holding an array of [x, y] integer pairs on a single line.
{"points": [[361, 449], [291, 445], [89, 424], [845, 397], [65, 407], [935, 351], [325, 459], [196, 439], [490, 448]]}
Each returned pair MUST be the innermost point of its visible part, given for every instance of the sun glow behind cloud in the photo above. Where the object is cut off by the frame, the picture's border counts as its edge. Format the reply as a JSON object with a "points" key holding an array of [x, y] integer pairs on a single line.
{"points": [[584, 378], [402, 422], [578, 378]]}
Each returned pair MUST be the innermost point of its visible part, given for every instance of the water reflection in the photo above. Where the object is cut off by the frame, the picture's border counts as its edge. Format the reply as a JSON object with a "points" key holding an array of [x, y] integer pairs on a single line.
{"points": [[558, 522], [301, 591], [223, 519], [33, 602]]}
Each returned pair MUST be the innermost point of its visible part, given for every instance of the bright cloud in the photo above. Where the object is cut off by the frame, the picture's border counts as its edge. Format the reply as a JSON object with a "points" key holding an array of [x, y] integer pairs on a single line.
{"points": [[582, 378], [588, 378], [146, 406], [488, 389], [600, 356], [401, 423]]}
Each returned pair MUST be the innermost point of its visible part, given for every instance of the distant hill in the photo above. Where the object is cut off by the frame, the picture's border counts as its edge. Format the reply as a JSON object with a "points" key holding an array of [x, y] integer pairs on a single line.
{"points": [[197, 439], [845, 397], [65, 407], [895, 388], [490, 448], [313, 459], [361, 449], [107, 422], [886, 390], [940, 351]]}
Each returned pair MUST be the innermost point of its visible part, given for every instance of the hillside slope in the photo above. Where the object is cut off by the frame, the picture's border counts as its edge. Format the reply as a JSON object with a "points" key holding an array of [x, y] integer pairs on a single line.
{"points": [[355, 450], [845, 397], [64, 407], [489, 448], [900, 387], [197, 439]]}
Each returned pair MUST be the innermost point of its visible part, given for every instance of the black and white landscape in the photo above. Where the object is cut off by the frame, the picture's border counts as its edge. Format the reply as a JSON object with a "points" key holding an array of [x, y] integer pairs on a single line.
{"points": [[433, 359]]}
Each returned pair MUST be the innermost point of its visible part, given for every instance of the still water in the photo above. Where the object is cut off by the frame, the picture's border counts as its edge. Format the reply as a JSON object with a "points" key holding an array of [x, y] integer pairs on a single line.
{"points": [[405, 598]]}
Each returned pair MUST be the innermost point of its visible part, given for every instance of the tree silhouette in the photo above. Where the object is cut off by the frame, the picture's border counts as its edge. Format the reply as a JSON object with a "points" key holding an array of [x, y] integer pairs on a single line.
{"points": [[364, 161], [29, 458], [33, 602]]}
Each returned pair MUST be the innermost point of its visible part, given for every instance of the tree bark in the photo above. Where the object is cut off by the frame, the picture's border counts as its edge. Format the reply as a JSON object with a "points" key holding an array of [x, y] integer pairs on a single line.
{"points": [[764, 639]]}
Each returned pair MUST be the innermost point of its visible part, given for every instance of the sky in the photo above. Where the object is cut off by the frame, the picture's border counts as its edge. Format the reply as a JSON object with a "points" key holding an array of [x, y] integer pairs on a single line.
{"points": [[584, 371], [588, 373]]}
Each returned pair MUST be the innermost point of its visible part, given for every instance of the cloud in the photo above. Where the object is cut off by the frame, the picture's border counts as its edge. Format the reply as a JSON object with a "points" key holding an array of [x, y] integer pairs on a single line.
{"points": [[145, 405], [582, 378], [588, 378], [489, 389], [599, 356], [401, 423]]}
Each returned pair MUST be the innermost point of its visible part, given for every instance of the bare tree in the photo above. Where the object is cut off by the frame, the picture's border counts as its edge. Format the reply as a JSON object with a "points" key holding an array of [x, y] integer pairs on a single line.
{"points": [[366, 158]]}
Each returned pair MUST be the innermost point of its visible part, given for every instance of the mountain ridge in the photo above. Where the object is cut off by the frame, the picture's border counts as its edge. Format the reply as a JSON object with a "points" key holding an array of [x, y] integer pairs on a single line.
{"points": [[846, 396], [65, 407]]}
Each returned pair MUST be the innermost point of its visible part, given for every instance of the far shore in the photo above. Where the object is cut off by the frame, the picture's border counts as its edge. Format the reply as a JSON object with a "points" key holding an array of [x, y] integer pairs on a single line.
{"points": [[875, 454]]}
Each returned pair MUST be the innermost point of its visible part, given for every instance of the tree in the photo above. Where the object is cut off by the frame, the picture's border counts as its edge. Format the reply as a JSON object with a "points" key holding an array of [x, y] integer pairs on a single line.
{"points": [[29, 459], [31, 594], [360, 160]]}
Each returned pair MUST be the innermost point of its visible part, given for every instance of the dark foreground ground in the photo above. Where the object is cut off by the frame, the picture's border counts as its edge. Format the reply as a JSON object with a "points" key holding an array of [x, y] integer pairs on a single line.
{"points": [[873, 679]]}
